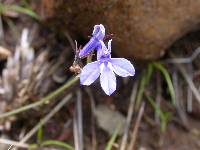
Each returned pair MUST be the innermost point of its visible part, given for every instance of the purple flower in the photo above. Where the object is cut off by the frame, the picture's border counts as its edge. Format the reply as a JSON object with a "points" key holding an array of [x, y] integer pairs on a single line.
{"points": [[106, 67], [97, 35]]}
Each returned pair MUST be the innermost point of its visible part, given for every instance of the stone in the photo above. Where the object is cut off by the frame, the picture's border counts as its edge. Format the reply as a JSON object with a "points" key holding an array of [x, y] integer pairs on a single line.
{"points": [[109, 120], [143, 29]]}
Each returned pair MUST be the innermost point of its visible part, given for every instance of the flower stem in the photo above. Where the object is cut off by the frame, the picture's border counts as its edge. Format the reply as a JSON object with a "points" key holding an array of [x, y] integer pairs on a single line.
{"points": [[43, 100]]}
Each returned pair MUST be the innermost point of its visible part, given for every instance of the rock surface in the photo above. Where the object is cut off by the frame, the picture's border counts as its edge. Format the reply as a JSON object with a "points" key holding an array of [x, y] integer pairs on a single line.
{"points": [[109, 120], [142, 29]]}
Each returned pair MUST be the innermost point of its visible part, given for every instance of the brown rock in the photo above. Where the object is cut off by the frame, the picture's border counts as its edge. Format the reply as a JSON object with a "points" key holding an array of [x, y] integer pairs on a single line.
{"points": [[142, 28]]}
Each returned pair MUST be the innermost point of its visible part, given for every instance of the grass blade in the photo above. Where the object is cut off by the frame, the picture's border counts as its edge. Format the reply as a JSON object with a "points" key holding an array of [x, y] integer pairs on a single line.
{"points": [[57, 143], [164, 116], [146, 76], [19, 9], [40, 135], [113, 138], [167, 77], [44, 100]]}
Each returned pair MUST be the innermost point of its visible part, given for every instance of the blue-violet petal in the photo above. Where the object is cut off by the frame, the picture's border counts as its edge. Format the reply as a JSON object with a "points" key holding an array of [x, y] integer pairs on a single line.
{"points": [[89, 73], [122, 67], [107, 79]]}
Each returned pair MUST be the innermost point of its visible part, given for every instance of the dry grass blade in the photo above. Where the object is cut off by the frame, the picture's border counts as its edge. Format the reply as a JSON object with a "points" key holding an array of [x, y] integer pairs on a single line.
{"points": [[80, 118], [15, 76], [43, 100], [137, 124], [13, 143], [26, 77], [189, 99], [93, 108], [75, 129], [10, 147], [189, 92], [46, 118], [78, 123], [184, 60], [178, 105], [1, 29], [189, 81], [129, 116]]}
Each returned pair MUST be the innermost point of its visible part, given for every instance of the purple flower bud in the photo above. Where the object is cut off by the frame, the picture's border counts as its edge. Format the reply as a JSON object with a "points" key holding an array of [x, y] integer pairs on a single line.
{"points": [[99, 32], [97, 36]]}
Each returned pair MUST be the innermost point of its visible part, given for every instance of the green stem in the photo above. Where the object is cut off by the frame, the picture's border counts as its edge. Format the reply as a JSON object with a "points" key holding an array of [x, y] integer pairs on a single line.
{"points": [[43, 100]]}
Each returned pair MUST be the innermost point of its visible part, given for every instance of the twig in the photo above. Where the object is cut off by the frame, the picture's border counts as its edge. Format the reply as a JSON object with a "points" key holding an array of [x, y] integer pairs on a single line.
{"points": [[13, 143], [129, 116], [93, 109], [43, 100], [78, 126], [184, 60], [137, 124], [46, 118], [70, 40]]}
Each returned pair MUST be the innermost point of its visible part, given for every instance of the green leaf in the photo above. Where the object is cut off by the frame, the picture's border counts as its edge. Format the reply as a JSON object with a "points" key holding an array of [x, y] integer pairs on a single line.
{"points": [[113, 139], [146, 76], [164, 116], [57, 143], [32, 146], [167, 77], [39, 135], [16, 8]]}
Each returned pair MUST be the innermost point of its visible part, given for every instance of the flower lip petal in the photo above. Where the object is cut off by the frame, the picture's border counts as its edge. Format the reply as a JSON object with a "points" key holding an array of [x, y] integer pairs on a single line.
{"points": [[89, 73], [107, 79], [122, 67]]}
